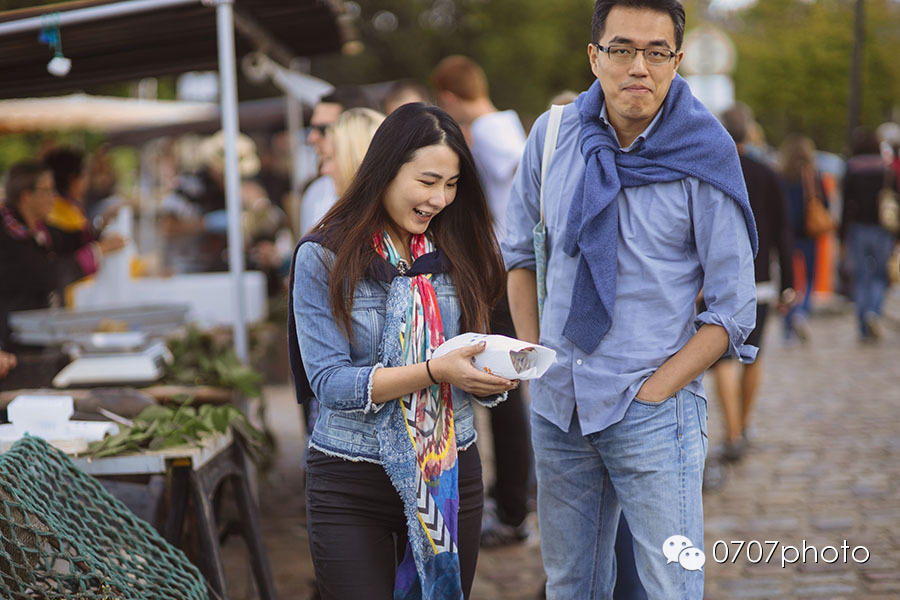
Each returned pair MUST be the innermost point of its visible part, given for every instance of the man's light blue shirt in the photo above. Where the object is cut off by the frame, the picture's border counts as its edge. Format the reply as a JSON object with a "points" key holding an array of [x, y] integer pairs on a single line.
{"points": [[675, 239]]}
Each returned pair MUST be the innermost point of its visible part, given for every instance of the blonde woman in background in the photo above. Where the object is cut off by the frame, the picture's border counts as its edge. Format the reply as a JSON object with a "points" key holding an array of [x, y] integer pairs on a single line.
{"points": [[798, 161], [343, 148], [341, 152]]}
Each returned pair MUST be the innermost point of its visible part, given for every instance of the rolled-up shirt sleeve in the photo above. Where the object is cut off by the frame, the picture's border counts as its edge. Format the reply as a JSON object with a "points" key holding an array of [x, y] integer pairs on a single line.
{"points": [[723, 247], [334, 380], [524, 208]]}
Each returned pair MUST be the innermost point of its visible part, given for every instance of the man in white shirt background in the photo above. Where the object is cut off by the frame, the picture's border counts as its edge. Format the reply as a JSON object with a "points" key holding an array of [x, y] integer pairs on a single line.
{"points": [[497, 140]]}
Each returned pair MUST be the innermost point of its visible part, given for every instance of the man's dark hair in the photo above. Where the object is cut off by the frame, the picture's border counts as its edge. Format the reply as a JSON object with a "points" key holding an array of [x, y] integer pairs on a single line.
{"points": [[403, 87], [348, 96], [864, 141], [22, 177], [673, 8], [736, 121], [66, 164]]}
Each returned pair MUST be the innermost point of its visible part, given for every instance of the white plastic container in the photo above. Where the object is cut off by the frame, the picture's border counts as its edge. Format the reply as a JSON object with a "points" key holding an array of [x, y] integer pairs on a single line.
{"points": [[47, 417], [117, 368], [42, 416]]}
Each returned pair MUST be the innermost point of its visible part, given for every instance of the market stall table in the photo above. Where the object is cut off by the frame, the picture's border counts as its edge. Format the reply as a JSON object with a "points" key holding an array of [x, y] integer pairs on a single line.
{"points": [[198, 472]]}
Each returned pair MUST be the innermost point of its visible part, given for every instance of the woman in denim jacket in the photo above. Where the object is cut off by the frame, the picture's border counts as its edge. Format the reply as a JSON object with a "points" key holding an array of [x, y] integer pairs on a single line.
{"points": [[394, 492]]}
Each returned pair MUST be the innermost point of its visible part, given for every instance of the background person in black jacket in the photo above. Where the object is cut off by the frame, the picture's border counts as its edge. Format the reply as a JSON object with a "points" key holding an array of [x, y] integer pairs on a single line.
{"points": [[868, 243], [36, 261], [736, 384]]}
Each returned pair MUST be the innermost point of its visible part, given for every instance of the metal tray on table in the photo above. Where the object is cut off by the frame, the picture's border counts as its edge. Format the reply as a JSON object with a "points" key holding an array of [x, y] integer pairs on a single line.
{"points": [[57, 326]]}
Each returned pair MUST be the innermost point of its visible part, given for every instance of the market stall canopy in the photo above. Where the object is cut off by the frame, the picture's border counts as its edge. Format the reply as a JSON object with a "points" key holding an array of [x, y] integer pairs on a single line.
{"points": [[174, 37], [98, 113], [255, 116]]}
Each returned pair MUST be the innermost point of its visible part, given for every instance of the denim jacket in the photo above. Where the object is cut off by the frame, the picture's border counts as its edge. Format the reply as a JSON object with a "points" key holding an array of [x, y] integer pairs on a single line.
{"points": [[340, 371]]}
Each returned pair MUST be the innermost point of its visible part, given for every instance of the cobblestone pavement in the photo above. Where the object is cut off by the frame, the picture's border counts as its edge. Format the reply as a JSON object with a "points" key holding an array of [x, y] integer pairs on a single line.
{"points": [[823, 468]]}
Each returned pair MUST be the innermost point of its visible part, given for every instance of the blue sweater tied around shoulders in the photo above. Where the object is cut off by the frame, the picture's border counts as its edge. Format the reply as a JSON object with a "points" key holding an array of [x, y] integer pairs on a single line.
{"points": [[687, 141]]}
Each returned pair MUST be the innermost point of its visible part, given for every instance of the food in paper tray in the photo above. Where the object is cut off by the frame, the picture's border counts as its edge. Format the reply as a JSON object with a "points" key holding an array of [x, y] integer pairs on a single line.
{"points": [[503, 356], [521, 359], [112, 326]]}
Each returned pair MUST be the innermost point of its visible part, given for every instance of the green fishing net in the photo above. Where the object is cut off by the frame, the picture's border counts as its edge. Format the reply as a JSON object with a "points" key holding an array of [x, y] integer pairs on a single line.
{"points": [[64, 537]]}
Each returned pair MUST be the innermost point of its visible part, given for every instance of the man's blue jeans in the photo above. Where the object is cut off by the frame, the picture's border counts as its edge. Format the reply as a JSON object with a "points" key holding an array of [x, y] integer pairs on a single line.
{"points": [[801, 310], [649, 465], [870, 250]]}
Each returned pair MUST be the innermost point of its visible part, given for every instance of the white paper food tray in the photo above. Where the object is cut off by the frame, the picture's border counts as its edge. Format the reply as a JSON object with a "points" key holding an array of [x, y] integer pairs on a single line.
{"points": [[503, 356]]}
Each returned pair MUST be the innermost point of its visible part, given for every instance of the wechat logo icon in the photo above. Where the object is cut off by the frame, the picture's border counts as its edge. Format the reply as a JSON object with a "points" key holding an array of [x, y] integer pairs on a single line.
{"points": [[678, 548]]}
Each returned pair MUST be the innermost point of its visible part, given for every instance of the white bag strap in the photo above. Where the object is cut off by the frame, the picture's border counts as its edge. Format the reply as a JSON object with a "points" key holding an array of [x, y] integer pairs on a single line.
{"points": [[549, 146]]}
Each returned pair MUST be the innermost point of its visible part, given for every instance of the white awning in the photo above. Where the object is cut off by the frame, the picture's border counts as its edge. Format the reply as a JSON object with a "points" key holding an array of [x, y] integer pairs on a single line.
{"points": [[103, 114]]}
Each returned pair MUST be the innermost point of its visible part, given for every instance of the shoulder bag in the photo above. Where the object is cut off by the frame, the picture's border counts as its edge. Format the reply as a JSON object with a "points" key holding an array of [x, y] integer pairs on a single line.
{"points": [[889, 204], [817, 220], [540, 228]]}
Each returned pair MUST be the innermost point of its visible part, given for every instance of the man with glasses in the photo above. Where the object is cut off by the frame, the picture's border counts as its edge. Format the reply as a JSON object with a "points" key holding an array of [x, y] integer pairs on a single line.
{"points": [[645, 205]]}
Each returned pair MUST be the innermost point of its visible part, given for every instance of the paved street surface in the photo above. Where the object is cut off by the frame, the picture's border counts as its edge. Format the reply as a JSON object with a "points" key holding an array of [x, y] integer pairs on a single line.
{"points": [[824, 468]]}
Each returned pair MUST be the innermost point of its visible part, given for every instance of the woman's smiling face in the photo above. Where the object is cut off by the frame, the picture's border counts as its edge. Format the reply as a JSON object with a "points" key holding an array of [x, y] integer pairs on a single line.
{"points": [[422, 188]]}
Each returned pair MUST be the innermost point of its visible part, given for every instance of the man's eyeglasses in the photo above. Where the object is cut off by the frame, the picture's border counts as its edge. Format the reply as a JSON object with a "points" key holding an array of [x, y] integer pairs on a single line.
{"points": [[322, 129], [623, 55]]}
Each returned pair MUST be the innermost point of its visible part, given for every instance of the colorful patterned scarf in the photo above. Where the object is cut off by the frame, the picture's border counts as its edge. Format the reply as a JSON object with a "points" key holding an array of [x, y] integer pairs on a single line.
{"points": [[417, 437]]}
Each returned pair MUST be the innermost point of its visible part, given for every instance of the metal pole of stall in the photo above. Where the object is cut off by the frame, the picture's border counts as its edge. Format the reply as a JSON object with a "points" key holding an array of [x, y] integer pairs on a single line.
{"points": [[228, 100], [147, 242], [294, 117]]}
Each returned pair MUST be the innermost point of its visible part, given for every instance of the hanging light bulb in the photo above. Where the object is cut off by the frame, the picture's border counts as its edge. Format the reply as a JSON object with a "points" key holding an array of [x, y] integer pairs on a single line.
{"points": [[59, 65]]}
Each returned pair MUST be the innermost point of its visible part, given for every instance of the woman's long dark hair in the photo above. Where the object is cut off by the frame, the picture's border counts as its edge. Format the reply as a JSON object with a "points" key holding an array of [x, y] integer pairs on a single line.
{"points": [[462, 230]]}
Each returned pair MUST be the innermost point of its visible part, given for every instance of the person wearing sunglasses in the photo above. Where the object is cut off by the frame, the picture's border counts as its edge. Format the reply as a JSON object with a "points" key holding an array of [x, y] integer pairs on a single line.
{"points": [[320, 194]]}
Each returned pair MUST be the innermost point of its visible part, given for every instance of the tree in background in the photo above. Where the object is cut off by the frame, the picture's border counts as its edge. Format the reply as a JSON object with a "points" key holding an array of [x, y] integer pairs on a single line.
{"points": [[794, 66], [530, 49], [793, 55]]}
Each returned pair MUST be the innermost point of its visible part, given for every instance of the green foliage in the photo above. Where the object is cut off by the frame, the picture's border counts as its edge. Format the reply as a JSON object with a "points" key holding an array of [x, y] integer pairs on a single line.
{"points": [[16, 147], [159, 427], [201, 359], [793, 55], [530, 50], [126, 163], [794, 66]]}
